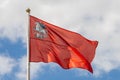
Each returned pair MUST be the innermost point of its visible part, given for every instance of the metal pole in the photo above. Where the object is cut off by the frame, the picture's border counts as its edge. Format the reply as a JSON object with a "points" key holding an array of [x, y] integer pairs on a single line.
{"points": [[28, 41]]}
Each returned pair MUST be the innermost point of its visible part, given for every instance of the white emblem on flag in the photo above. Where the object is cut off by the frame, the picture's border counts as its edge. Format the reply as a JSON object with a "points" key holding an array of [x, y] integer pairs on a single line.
{"points": [[41, 31]]}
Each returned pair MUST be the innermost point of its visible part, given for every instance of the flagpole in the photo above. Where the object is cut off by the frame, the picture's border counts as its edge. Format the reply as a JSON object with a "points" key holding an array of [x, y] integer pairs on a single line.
{"points": [[28, 40]]}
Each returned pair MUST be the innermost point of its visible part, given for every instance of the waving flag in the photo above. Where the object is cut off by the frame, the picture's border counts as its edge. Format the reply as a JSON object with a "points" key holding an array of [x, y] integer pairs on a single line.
{"points": [[50, 43]]}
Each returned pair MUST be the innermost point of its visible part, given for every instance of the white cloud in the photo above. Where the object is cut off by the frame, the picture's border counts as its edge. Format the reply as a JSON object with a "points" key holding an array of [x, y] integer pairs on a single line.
{"points": [[4, 3], [21, 74], [95, 19], [35, 68], [107, 57], [12, 21], [6, 65]]}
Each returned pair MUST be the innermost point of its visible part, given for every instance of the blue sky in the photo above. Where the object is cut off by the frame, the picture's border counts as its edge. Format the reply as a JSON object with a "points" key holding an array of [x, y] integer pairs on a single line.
{"points": [[94, 19]]}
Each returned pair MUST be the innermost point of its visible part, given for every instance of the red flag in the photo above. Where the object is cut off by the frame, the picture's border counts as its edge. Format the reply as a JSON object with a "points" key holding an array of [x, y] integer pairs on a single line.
{"points": [[50, 43]]}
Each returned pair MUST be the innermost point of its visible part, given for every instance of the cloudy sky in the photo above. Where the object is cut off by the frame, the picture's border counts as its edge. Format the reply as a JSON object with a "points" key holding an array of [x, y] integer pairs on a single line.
{"points": [[94, 19]]}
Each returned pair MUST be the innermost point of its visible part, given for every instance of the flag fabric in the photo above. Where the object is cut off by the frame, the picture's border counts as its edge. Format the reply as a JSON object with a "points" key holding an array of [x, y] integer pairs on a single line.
{"points": [[50, 43]]}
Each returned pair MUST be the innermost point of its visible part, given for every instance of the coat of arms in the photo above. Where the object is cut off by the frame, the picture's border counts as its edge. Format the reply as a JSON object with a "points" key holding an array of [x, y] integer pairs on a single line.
{"points": [[41, 31]]}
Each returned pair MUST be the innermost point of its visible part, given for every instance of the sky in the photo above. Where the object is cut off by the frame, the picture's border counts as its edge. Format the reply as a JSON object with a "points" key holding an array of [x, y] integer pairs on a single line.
{"points": [[94, 19]]}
